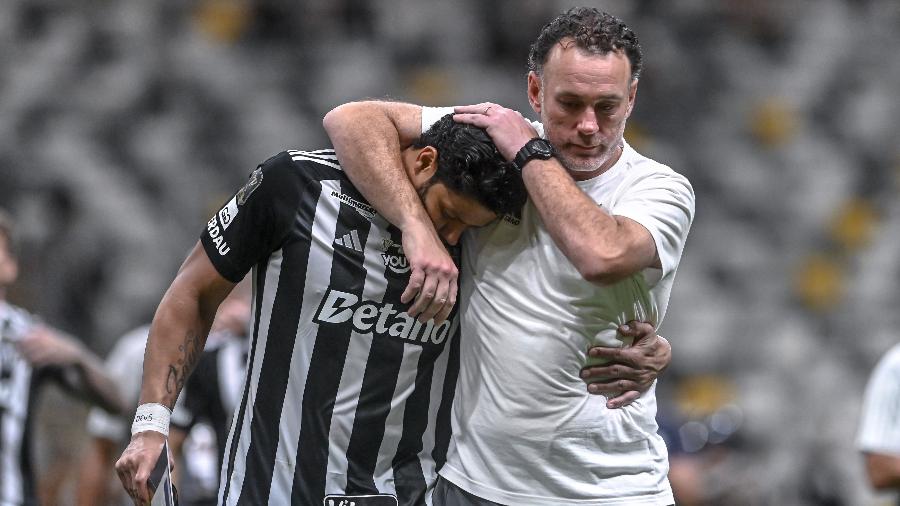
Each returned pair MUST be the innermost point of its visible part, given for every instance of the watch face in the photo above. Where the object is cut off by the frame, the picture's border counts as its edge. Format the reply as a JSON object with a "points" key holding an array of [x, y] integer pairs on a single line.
{"points": [[541, 147]]}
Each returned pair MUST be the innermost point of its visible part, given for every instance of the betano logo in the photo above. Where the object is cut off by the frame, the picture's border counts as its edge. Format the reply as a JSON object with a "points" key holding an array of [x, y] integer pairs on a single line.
{"points": [[379, 318]]}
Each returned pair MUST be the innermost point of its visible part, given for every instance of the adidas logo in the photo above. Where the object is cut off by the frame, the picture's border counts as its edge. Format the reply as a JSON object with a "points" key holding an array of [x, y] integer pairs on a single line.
{"points": [[350, 240]]}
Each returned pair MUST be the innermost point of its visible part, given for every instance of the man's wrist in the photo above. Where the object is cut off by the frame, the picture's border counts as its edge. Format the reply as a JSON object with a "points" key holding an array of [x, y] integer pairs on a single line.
{"points": [[151, 416]]}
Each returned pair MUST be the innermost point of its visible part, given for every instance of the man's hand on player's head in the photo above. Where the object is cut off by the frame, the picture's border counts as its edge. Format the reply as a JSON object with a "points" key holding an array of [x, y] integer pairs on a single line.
{"points": [[433, 275], [508, 128], [631, 370], [136, 463]]}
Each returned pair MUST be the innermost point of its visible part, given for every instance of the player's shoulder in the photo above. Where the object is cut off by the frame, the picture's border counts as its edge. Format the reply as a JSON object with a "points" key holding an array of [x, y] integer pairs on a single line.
{"points": [[294, 167], [15, 318], [641, 167]]}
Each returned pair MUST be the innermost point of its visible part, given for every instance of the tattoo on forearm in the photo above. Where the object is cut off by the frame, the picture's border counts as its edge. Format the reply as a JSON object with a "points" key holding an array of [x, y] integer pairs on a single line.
{"points": [[179, 371]]}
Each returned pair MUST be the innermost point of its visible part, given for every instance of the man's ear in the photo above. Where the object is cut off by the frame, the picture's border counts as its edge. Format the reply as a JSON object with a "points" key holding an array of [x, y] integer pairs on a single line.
{"points": [[632, 93], [424, 166], [534, 91]]}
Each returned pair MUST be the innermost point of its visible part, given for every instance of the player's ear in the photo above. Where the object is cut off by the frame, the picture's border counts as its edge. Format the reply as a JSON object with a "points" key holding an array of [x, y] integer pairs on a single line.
{"points": [[425, 165], [534, 91]]}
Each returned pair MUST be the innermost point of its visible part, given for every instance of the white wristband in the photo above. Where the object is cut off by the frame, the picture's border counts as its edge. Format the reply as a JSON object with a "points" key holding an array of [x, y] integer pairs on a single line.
{"points": [[152, 416]]}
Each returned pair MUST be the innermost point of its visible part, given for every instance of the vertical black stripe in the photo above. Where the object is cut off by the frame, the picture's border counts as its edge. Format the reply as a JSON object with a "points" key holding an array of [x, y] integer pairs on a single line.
{"points": [[442, 426], [276, 363], [259, 284], [327, 363]]}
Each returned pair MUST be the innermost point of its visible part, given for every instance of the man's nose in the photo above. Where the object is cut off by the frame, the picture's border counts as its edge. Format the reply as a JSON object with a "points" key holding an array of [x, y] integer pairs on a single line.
{"points": [[587, 123]]}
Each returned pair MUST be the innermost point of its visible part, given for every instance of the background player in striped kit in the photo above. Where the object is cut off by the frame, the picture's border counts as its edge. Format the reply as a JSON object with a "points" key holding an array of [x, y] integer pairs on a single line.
{"points": [[30, 354], [347, 395], [878, 435]]}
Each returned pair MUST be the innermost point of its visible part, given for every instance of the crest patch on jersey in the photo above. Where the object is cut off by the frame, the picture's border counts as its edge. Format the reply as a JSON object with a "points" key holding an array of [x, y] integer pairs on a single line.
{"points": [[255, 180]]}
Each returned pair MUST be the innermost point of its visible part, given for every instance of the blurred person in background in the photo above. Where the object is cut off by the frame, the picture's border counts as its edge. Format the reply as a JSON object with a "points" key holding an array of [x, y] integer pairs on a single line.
{"points": [[109, 432], [597, 246], [32, 353], [347, 395], [879, 428]]}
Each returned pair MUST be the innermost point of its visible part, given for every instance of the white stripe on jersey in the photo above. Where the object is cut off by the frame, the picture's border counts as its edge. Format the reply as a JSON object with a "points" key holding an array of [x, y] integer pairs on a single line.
{"points": [[318, 274], [273, 273], [347, 398], [315, 156], [14, 399]]}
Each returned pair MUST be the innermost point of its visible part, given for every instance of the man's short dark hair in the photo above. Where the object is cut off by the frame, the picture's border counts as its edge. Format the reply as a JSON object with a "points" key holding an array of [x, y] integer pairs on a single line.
{"points": [[469, 163], [594, 31]]}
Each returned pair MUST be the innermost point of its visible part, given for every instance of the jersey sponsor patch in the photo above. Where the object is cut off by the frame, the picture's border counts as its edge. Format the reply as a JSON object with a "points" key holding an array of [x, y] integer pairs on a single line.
{"points": [[379, 318], [252, 184], [362, 208], [360, 500], [227, 213], [393, 257], [215, 233]]}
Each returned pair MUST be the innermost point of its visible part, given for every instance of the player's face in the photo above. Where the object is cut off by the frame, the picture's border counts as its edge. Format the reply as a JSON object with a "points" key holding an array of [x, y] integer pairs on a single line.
{"points": [[583, 100], [8, 265], [453, 213]]}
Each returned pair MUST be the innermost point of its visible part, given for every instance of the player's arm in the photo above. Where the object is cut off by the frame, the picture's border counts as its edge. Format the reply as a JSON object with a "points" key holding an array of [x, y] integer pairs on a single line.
{"points": [[368, 137], [603, 247], [79, 370], [177, 337], [883, 470]]}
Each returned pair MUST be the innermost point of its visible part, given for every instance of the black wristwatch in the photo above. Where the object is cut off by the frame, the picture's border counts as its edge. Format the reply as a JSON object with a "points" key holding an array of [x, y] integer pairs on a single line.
{"points": [[535, 148]]}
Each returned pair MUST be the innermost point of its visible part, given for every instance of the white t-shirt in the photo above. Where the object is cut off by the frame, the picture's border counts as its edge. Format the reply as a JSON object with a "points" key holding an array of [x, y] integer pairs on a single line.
{"points": [[525, 431], [879, 426]]}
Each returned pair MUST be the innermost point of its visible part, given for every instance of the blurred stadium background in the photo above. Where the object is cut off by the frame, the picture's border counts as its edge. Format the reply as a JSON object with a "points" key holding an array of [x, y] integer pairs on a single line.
{"points": [[124, 124]]}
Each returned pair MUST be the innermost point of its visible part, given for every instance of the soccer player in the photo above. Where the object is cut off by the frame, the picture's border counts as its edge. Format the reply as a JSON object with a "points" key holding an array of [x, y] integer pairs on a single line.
{"points": [[598, 245], [32, 353], [878, 436], [347, 396]]}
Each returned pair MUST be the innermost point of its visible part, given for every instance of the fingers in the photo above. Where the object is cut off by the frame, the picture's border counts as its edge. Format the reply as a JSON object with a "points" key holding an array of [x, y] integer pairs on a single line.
{"points": [[483, 108], [637, 329], [623, 400], [444, 313], [414, 287]]}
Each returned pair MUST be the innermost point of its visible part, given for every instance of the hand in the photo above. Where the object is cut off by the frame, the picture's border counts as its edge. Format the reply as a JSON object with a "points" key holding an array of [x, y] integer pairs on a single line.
{"points": [[43, 346], [508, 128], [630, 370], [137, 462], [433, 275]]}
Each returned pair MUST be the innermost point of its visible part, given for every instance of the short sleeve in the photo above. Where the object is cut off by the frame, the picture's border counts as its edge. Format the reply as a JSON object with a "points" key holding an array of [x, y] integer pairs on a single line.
{"points": [[256, 220], [663, 202]]}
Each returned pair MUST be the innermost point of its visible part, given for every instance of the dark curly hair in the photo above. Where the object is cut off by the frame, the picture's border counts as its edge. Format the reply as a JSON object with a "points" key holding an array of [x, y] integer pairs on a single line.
{"points": [[594, 31], [468, 163]]}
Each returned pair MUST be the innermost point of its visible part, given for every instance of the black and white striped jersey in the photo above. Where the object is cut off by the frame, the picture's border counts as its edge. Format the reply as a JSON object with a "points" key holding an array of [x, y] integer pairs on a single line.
{"points": [[346, 395], [19, 386]]}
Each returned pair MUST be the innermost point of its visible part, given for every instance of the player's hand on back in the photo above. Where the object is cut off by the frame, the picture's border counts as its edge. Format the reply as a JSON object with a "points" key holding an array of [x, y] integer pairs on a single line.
{"points": [[631, 370], [433, 275]]}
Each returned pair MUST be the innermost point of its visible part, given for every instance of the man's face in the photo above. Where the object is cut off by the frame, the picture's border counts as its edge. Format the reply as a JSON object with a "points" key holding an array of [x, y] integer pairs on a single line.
{"points": [[452, 213], [9, 268], [583, 100]]}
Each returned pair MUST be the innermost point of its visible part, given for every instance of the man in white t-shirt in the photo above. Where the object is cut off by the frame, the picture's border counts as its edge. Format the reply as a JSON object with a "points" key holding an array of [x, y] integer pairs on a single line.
{"points": [[879, 427], [597, 246]]}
